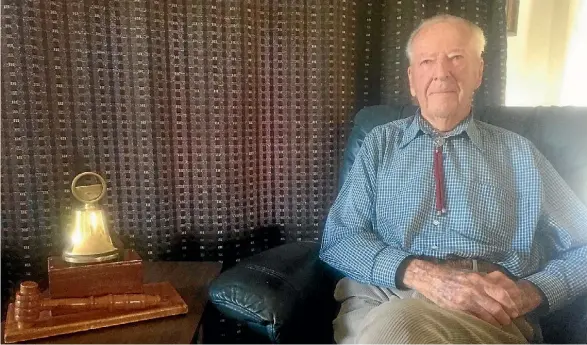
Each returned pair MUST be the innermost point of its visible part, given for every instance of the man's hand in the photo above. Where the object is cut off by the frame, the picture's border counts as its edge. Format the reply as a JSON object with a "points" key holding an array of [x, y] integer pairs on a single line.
{"points": [[494, 298], [523, 293]]}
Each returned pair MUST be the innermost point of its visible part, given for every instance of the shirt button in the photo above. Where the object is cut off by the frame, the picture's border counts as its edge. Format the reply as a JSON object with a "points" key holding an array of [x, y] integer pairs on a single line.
{"points": [[436, 222]]}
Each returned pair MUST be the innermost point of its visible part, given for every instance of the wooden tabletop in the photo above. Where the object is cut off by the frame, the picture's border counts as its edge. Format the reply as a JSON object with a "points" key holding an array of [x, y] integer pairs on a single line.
{"points": [[190, 279]]}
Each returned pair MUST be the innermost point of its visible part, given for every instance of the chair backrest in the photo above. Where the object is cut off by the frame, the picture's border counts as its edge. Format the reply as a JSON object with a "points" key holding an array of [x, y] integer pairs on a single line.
{"points": [[560, 133]]}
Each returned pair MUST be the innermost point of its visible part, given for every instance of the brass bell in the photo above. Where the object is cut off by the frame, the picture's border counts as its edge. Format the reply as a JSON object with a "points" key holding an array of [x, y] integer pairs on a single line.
{"points": [[89, 238]]}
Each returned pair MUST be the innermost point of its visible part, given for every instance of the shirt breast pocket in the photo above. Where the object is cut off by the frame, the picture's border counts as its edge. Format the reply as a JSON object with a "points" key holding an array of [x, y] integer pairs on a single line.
{"points": [[487, 213], [402, 204]]}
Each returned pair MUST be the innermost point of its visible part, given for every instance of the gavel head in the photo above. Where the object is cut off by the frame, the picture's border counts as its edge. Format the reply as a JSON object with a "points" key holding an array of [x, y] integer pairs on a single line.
{"points": [[27, 306]]}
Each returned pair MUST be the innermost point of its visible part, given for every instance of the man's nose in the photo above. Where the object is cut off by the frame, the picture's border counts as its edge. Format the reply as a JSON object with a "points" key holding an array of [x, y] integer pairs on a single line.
{"points": [[442, 69]]}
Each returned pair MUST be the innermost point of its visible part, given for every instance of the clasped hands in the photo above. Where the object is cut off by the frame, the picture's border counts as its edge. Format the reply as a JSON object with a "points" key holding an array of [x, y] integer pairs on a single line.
{"points": [[492, 297]]}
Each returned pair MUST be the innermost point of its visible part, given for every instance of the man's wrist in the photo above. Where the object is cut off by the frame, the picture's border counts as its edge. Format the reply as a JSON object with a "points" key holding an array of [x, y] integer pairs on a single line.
{"points": [[416, 273], [401, 272], [533, 297]]}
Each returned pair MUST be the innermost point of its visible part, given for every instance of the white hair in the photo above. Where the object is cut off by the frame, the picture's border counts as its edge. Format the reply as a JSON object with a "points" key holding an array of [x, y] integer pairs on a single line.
{"points": [[476, 31]]}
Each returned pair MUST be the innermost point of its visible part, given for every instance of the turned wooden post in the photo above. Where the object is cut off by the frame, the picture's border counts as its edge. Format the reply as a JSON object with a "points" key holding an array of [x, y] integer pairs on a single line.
{"points": [[27, 306]]}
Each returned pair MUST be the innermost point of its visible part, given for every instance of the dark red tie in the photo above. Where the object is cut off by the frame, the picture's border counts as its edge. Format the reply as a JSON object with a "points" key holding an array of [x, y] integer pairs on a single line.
{"points": [[439, 176]]}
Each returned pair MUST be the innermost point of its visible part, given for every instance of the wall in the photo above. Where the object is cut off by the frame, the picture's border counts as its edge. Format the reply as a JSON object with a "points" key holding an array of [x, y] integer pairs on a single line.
{"points": [[537, 54], [575, 74]]}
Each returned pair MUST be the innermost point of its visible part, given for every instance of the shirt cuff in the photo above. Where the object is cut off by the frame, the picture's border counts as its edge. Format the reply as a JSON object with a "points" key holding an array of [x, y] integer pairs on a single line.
{"points": [[385, 266], [552, 286]]}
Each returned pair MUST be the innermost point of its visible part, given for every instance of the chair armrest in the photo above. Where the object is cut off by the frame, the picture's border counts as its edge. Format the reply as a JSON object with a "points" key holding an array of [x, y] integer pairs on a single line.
{"points": [[568, 325], [283, 293]]}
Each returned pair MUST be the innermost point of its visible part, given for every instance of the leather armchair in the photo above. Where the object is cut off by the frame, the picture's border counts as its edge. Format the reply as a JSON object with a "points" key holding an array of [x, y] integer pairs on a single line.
{"points": [[285, 293]]}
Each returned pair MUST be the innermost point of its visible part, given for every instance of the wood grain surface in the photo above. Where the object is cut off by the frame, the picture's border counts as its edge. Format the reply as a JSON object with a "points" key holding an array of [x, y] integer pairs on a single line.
{"points": [[190, 280]]}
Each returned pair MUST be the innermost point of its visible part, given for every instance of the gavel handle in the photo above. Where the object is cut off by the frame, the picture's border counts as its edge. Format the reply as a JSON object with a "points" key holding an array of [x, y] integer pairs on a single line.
{"points": [[29, 303], [110, 302]]}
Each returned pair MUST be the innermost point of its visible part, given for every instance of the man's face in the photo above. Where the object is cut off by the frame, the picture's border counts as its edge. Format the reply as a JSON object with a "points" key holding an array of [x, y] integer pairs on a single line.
{"points": [[445, 70]]}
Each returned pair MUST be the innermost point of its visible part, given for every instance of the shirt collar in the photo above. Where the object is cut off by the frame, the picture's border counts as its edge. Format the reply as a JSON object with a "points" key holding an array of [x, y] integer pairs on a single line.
{"points": [[419, 126], [412, 131], [474, 134]]}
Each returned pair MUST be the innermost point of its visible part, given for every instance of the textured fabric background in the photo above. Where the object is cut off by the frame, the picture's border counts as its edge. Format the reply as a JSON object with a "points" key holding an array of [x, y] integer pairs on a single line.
{"points": [[219, 125]]}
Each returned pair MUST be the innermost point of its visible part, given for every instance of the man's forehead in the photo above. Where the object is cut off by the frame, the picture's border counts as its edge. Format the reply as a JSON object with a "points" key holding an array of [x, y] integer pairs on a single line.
{"points": [[432, 52]]}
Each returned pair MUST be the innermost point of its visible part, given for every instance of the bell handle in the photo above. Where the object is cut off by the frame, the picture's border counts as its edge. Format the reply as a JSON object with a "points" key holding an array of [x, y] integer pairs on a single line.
{"points": [[88, 173]]}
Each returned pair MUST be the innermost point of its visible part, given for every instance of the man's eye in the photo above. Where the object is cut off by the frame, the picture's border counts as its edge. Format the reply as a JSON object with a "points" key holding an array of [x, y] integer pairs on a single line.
{"points": [[456, 57], [425, 62]]}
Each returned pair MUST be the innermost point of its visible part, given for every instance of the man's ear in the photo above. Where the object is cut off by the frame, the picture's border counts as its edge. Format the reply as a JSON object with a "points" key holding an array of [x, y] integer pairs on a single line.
{"points": [[480, 76], [412, 89]]}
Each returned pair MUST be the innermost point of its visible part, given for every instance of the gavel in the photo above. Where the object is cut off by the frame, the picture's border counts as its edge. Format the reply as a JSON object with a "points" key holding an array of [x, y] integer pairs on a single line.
{"points": [[29, 303]]}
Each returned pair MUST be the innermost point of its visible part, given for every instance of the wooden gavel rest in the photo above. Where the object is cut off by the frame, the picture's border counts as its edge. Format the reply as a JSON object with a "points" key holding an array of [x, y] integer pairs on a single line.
{"points": [[29, 303]]}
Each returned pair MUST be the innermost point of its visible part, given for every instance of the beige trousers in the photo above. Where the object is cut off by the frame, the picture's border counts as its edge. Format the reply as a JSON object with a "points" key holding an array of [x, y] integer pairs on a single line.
{"points": [[374, 315]]}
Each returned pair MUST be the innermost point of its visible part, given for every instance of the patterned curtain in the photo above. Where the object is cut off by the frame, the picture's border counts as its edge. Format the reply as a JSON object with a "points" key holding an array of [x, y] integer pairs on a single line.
{"points": [[210, 120], [219, 125]]}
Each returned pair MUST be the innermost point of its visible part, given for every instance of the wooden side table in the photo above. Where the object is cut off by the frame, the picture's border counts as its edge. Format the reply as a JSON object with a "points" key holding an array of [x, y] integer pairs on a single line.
{"points": [[190, 279]]}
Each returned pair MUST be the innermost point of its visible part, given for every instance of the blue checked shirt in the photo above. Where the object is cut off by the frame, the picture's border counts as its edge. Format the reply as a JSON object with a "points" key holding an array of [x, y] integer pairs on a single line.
{"points": [[505, 204]]}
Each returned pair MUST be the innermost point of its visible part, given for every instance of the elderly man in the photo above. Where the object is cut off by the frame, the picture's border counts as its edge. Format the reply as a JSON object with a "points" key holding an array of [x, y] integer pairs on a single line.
{"points": [[447, 229]]}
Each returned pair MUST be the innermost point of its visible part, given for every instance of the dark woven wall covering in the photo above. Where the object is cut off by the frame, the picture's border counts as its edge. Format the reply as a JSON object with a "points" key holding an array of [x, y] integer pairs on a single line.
{"points": [[219, 125]]}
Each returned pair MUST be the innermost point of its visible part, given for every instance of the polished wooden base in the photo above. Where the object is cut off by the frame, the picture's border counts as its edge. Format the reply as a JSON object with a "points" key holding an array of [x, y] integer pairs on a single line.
{"points": [[50, 325], [83, 280]]}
